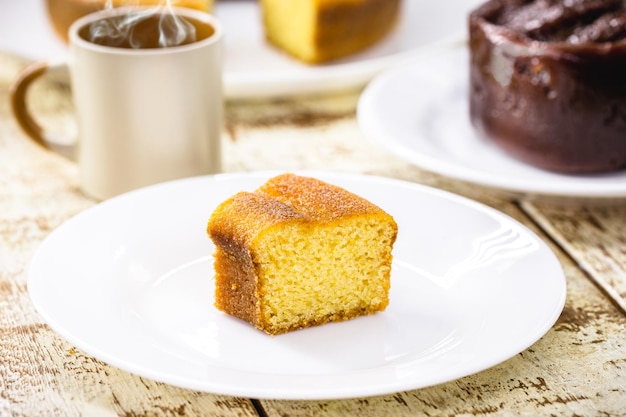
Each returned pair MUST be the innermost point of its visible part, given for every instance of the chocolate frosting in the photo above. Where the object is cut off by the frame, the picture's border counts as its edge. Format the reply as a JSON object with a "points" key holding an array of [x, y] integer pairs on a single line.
{"points": [[548, 81]]}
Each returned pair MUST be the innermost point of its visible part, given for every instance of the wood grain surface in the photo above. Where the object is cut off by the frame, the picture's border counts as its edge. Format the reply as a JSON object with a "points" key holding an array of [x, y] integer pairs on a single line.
{"points": [[577, 369]]}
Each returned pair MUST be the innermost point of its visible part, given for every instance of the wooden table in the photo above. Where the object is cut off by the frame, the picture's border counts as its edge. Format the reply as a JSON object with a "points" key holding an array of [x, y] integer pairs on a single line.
{"points": [[577, 369]]}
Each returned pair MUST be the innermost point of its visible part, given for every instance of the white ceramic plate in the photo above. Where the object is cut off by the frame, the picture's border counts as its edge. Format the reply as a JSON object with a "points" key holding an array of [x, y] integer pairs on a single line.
{"points": [[252, 67], [130, 281], [419, 111]]}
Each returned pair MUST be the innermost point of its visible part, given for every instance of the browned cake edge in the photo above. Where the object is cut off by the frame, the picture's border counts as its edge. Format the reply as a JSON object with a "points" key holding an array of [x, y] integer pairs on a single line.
{"points": [[344, 29]]}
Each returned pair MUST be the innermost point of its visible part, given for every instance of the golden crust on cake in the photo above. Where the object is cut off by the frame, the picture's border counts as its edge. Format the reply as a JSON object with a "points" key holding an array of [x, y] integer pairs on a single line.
{"points": [[299, 252]]}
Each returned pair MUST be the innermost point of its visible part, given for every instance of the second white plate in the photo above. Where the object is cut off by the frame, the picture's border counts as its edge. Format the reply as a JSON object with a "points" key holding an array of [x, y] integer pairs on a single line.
{"points": [[420, 112], [130, 281], [252, 68]]}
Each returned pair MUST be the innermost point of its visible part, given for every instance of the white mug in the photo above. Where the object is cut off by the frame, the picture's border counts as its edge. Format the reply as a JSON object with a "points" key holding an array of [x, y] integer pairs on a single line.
{"points": [[144, 115]]}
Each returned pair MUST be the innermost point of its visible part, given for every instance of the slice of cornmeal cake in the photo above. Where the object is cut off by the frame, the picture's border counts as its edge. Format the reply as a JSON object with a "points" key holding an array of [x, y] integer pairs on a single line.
{"points": [[318, 31], [299, 252]]}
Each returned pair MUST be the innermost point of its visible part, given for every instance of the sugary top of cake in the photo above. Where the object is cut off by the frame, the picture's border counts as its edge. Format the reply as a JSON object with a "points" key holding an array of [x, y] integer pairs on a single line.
{"points": [[571, 21], [286, 198], [316, 199]]}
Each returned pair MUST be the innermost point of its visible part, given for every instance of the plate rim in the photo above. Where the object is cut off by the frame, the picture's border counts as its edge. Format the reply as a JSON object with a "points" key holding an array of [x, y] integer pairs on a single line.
{"points": [[270, 393]]}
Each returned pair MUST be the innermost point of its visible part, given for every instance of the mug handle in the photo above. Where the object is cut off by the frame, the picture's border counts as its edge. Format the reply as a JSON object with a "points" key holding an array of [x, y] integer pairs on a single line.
{"points": [[17, 93]]}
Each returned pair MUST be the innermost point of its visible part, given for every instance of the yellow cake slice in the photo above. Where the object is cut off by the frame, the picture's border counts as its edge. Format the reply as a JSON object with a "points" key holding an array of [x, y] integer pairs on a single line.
{"points": [[299, 252], [316, 31]]}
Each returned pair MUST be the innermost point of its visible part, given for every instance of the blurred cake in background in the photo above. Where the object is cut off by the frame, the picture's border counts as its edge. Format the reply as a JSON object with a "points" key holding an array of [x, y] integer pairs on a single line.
{"points": [[317, 31], [548, 81]]}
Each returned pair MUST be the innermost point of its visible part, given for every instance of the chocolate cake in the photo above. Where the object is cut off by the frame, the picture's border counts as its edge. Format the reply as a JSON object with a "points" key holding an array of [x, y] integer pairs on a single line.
{"points": [[548, 81]]}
